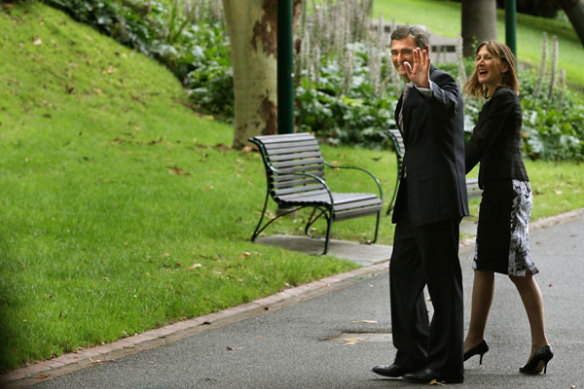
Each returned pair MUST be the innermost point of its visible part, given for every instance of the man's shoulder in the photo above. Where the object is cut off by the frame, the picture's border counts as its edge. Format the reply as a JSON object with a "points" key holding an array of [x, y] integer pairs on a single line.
{"points": [[437, 74]]}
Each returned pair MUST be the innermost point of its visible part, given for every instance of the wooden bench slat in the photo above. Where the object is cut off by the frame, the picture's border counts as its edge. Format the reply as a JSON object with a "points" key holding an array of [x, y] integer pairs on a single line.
{"points": [[295, 190], [296, 137], [286, 170], [357, 203], [356, 213], [295, 157], [314, 162], [276, 147], [292, 176], [297, 183]]}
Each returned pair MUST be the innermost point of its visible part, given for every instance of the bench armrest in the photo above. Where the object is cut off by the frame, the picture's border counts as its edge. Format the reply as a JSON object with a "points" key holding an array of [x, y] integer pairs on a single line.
{"points": [[361, 169]]}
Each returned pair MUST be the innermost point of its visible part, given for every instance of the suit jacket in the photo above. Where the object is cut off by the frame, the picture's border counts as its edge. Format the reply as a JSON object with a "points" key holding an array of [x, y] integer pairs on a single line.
{"points": [[496, 140], [434, 187]]}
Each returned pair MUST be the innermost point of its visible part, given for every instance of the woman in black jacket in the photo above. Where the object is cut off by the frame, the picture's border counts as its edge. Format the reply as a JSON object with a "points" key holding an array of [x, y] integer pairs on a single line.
{"points": [[502, 243]]}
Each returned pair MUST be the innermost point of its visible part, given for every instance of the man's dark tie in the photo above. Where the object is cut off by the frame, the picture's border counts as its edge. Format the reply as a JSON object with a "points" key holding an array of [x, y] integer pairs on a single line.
{"points": [[400, 115]]}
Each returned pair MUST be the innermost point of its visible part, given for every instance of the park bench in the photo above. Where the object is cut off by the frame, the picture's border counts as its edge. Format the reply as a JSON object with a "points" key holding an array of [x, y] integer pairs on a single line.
{"points": [[472, 184], [295, 179]]}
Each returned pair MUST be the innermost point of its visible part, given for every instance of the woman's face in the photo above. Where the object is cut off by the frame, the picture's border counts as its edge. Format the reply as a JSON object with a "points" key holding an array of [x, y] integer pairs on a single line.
{"points": [[490, 69]]}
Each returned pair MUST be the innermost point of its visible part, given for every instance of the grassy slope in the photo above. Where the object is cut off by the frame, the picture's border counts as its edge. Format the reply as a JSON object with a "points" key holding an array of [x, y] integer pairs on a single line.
{"points": [[110, 192], [445, 20]]}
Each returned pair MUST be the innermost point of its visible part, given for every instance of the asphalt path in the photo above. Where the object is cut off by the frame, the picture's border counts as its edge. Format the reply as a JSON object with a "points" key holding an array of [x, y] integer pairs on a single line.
{"points": [[333, 340]]}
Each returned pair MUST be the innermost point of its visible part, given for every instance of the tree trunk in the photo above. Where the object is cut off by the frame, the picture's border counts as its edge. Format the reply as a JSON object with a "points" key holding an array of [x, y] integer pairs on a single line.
{"points": [[252, 30], [479, 23], [575, 11]]}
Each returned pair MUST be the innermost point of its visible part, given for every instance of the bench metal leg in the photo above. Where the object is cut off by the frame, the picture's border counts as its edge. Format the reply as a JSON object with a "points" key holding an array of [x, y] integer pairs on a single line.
{"points": [[329, 223], [312, 219], [377, 226], [257, 230]]}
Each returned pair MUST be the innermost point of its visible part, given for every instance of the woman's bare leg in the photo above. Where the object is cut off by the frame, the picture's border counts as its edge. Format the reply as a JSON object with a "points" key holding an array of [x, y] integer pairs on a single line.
{"points": [[533, 303], [482, 297]]}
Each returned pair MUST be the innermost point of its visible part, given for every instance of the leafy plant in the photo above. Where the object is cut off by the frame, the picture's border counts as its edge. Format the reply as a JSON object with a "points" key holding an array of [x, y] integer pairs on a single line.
{"points": [[337, 96]]}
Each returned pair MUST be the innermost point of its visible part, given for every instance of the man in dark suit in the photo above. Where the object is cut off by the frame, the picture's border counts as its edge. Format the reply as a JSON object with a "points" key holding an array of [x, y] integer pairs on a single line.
{"points": [[430, 203]]}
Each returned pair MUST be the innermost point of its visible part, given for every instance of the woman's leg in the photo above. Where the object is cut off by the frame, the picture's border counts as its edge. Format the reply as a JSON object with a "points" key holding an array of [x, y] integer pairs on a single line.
{"points": [[533, 303], [482, 297]]}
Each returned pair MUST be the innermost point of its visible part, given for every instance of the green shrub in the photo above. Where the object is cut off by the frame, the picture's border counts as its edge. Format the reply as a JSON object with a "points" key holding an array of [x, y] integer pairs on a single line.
{"points": [[338, 104]]}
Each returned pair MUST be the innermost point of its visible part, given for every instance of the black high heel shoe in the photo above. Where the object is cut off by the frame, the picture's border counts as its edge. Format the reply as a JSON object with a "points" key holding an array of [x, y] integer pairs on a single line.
{"points": [[479, 349], [539, 361]]}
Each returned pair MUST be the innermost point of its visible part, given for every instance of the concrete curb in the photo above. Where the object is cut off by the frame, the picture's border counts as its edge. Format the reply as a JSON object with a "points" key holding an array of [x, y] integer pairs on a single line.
{"points": [[74, 361]]}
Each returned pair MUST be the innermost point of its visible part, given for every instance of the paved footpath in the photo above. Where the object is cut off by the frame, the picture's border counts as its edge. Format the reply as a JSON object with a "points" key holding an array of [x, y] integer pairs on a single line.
{"points": [[328, 334]]}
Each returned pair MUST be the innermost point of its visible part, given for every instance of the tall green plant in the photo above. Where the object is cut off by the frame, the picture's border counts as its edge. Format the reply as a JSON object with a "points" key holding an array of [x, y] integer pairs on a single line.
{"points": [[346, 86]]}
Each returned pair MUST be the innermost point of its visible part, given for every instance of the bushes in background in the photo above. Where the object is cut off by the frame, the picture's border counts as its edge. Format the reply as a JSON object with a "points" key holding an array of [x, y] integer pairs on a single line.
{"points": [[346, 90]]}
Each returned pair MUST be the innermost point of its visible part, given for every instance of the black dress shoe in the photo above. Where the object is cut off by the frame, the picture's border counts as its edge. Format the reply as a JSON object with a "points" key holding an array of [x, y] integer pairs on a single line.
{"points": [[390, 370], [426, 376]]}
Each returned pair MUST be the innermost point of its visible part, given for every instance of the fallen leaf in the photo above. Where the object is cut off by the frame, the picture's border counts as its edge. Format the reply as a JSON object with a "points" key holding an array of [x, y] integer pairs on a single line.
{"points": [[434, 382], [245, 254], [229, 348], [37, 42], [164, 255], [194, 266], [176, 170], [351, 341], [558, 192]]}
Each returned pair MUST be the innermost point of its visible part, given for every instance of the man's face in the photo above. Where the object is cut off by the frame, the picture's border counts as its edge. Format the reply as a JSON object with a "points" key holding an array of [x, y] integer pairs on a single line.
{"points": [[402, 50]]}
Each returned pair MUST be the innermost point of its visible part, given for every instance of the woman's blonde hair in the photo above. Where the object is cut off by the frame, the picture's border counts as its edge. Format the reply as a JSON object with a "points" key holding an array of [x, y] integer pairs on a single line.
{"points": [[504, 53]]}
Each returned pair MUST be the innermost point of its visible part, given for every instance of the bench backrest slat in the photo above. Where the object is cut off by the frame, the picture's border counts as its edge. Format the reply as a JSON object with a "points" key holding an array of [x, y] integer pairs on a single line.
{"points": [[287, 157], [398, 142]]}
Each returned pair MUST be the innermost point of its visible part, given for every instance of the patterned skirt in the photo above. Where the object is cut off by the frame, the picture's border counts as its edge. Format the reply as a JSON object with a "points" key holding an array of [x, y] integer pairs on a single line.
{"points": [[502, 243]]}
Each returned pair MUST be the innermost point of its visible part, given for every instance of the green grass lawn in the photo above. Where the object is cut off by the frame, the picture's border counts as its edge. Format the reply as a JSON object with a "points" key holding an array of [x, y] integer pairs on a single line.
{"points": [[122, 210], [445, 19]]}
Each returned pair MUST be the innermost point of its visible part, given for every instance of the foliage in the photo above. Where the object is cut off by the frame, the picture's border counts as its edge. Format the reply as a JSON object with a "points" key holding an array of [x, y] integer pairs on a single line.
{"points": [[197, 53], [352, 115], [339, 95], [553, 126]]}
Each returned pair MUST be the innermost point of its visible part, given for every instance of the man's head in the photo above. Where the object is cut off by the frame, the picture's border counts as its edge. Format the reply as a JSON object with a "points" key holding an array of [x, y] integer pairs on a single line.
{"points": [[404, 39]]}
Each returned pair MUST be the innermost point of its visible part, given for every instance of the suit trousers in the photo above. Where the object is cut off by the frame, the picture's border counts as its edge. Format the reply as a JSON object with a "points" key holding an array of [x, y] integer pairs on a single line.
{"points": [[427, 255]]}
